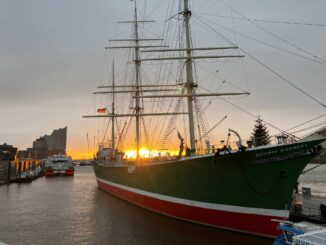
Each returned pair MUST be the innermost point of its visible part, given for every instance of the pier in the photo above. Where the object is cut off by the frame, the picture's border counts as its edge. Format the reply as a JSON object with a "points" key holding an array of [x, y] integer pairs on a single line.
{"points": [[8, 172], [4, 172], [20, 170], [310, 210]]}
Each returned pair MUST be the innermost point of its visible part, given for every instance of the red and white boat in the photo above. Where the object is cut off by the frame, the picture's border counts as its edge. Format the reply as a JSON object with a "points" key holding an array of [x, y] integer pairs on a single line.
{"points": [[57, 165]]}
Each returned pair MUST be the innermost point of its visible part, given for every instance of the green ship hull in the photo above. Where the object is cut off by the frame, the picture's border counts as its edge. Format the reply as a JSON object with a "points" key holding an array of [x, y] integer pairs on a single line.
{"points": [[240, 191]]}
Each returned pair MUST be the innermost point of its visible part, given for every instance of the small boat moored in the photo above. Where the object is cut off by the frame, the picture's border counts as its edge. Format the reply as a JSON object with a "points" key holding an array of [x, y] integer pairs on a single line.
{"points": [[58, 165]]}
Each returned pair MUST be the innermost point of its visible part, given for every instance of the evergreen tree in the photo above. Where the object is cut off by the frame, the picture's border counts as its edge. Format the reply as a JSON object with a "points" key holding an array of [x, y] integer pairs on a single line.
{"points": [[260, 135]]}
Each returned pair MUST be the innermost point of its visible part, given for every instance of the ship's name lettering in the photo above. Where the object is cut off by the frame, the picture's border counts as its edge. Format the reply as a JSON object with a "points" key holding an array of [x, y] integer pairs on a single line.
{"points": [[291, 148], [296, 147], [266, 153]]}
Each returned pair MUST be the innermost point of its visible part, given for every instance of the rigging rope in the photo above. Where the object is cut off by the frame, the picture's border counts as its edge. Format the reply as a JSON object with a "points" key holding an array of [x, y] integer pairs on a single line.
{"points": [[202, 122], [267, 67], [311, 127], [145, 131], [267, 44], [262, 20], [274, 35], [105, 132], [301, 124], [170, 127]]}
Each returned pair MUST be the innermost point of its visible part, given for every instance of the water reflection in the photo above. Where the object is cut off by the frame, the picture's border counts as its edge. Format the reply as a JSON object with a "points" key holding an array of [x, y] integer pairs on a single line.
{"points": [[67, 210]]}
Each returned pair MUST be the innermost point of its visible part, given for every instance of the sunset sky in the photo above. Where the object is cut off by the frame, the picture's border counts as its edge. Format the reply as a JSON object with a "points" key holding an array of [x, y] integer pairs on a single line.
{"points": [[52, 56]]}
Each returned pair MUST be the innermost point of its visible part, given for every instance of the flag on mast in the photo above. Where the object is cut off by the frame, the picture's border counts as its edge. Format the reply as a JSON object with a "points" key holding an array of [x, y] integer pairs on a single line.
{"points": [[102, 110]]}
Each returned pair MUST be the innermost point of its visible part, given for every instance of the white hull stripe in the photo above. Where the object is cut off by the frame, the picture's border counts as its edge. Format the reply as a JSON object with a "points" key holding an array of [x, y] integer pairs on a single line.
{"points": [[212, 206]]}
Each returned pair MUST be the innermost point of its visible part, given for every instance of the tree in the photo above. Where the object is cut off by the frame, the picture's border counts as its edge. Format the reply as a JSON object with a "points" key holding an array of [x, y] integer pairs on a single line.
{"points": [[260, 135]]}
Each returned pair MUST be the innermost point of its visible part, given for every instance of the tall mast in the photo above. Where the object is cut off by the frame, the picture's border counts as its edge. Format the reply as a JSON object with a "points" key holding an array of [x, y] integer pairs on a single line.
{"points": [[113, 113], [89, 154], [189, 84], [189, 77], [137, 83], [137, 87]]}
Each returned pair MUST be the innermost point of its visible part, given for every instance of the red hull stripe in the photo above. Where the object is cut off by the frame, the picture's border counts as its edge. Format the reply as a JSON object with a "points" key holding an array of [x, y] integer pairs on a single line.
{"points": [[213, 206], [51, 172], [252, 223]]}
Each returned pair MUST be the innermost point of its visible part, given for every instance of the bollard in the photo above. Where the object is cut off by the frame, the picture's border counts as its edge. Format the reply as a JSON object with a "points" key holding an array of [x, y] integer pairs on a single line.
{"points": [[306, 192]]}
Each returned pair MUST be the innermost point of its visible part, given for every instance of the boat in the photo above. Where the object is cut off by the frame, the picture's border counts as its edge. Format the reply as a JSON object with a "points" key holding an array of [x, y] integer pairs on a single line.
{"points": [[241, 189], [58, 165], [300, 233], [25, 177], [108, 153]]}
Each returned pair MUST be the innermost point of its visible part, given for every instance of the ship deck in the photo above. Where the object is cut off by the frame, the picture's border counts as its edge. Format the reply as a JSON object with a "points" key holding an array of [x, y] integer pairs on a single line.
{"points": [[149, 161]]}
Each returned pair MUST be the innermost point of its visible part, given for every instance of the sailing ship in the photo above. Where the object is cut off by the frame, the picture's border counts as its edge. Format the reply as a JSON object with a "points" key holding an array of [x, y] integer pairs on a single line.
{"points": [[240, 190]]}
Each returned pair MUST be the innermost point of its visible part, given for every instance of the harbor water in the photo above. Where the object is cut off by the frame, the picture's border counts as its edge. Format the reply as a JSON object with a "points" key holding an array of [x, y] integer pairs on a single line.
{"points": [[72, 210]]}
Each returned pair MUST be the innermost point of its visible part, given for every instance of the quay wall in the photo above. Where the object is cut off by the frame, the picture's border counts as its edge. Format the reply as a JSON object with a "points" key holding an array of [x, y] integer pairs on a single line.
{"points": [[7, 172], [10, 170]]}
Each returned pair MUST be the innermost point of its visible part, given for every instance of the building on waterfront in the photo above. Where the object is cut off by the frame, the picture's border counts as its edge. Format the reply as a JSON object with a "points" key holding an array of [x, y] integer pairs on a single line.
{"points": [[55, 143], [40, 148], [7, 152], [47, 145], [22, 154]]}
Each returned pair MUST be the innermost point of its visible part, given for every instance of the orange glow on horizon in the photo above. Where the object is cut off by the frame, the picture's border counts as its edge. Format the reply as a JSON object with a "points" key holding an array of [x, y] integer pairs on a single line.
{"points": [[80, 155], [129, 154], [146, 153]]}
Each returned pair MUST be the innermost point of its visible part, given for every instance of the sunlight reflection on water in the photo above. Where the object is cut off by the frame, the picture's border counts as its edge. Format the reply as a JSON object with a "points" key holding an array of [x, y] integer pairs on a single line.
{"points": [[72, 210]]}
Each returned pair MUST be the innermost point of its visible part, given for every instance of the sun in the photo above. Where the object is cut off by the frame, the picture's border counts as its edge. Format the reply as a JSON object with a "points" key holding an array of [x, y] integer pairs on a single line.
{"points": [[143, 152], [146, 153]]}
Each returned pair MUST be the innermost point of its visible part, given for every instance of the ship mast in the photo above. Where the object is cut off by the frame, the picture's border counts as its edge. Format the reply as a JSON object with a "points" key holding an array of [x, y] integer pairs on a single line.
{"points": [[137, 87], [189, 83], [113, 114], [137, 83], [189, 77]]}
